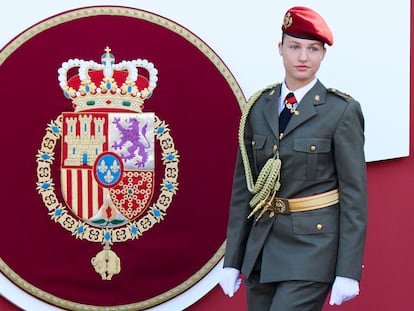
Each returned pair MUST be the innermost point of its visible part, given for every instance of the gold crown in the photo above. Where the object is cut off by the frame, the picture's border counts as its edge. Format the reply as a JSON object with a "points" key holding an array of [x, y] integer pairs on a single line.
{"points": [[124, 86]]}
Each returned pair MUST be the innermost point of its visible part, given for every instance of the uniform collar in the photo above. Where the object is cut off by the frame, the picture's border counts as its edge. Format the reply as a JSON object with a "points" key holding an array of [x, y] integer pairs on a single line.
{"points": [[299, 93]]}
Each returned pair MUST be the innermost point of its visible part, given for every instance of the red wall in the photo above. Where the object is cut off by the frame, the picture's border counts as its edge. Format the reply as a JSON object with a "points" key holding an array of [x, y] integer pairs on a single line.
{"points": [[388, 276]]}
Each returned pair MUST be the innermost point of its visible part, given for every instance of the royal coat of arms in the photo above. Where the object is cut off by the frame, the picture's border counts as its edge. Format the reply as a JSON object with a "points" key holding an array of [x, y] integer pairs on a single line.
{"points": [[107, 156]]}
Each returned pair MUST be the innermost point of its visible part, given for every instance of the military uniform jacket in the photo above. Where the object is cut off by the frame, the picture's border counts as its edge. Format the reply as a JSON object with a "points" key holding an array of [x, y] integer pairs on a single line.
{"points": [[322, 149]]}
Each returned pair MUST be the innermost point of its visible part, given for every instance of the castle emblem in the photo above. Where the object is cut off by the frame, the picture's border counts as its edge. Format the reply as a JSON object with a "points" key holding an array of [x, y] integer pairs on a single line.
{"points": [[107, 156]]}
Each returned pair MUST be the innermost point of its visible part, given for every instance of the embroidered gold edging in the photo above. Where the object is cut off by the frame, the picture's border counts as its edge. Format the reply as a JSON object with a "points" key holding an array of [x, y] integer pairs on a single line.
{"points": [[208, 52], [35, 291], [134, 13]]}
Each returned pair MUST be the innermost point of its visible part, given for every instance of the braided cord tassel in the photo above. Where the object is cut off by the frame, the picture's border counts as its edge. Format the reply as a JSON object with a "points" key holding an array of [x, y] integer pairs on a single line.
{"points": [[245, 112], [267, 183], [263, 199]]}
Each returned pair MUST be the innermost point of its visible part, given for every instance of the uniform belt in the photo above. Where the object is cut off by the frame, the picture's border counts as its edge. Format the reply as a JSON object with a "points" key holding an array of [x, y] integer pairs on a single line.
{"points": [[312, 202]]}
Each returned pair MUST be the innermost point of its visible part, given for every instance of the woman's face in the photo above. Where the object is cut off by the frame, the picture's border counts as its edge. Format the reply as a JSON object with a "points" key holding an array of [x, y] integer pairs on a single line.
{"points": [[301, 59]]}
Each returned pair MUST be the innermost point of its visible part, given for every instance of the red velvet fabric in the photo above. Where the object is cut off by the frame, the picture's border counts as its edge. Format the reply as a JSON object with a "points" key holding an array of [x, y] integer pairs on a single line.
{"points": [[191, 96]]}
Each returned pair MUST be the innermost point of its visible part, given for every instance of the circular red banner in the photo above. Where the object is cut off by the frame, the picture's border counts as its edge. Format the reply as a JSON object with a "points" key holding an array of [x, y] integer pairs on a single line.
{"points": [[47, 249]]}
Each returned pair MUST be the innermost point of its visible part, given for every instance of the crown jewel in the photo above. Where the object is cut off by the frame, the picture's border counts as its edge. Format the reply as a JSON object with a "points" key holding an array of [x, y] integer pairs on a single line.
{"points": [[124, 86]]}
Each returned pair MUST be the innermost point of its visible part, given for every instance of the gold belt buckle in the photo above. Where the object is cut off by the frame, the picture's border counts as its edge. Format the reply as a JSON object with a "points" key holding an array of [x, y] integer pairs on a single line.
{"points": [[280, 206]]}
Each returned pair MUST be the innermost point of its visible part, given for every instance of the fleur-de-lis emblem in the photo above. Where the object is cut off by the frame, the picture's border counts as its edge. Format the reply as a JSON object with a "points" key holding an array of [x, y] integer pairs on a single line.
{"points": [[115, 167], [109, 177], [102, 167]]}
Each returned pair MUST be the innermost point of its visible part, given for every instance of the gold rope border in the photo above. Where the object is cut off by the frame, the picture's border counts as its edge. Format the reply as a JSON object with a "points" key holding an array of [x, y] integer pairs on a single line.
{"points": [[208, 52], [145, 304]]}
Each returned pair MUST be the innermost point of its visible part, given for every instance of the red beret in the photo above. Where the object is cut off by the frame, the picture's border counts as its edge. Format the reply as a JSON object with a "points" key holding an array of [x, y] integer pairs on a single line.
{"points": [[302, 22]]}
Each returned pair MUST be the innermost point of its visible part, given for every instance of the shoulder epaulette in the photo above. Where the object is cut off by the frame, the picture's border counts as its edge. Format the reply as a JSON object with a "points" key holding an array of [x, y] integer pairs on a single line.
{"points": [[339, 93]]}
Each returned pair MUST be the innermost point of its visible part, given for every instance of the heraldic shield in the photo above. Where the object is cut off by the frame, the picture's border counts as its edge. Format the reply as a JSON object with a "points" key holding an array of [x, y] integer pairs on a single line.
{"points": [[107, 162], [107, 167]]}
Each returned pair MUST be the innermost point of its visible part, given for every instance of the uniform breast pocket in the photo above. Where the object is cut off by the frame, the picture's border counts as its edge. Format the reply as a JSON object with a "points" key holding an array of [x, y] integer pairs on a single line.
{"points": [[313, 158], [260, 152]]}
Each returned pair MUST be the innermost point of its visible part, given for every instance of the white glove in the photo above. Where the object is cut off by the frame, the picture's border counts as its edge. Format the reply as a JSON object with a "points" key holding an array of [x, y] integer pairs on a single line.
{"points": [[343, 289], [230, 281]]}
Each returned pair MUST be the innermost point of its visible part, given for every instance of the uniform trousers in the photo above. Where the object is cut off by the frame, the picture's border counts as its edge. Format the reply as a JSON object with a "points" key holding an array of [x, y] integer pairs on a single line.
{"points": [[286, 295]]}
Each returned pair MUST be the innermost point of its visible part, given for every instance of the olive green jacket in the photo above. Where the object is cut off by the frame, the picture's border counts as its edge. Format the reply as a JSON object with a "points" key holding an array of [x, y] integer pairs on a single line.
{"points": [[322, 149]]}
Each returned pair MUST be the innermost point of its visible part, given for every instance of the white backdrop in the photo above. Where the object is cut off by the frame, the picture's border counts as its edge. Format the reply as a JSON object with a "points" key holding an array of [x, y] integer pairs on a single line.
{"points": [[369, 60]]}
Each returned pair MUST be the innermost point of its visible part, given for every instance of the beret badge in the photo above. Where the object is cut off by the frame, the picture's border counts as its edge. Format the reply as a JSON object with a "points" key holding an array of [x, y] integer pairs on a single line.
{"points": [[287, 21]]}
